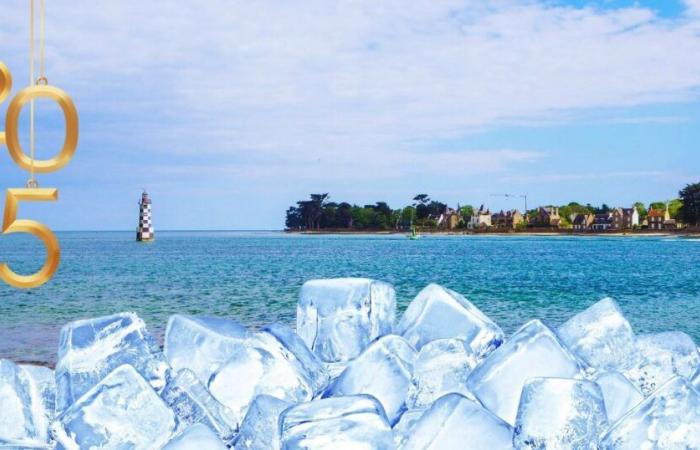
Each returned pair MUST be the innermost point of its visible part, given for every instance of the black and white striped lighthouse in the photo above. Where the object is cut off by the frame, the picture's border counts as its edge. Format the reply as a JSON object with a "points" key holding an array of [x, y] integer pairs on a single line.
{"points": [[144, 232]]}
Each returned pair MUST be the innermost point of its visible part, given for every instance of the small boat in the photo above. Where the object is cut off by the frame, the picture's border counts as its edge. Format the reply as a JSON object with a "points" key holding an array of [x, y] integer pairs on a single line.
{"points": [[414, 235]]}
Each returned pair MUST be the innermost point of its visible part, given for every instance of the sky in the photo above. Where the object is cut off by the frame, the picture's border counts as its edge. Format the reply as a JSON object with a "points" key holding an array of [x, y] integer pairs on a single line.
{"points": [[228, 112]]}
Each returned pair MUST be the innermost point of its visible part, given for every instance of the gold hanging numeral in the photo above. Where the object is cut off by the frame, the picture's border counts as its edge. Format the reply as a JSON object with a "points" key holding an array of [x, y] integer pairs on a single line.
{"points": [[70, 114], [5, 87], [11, 224]]}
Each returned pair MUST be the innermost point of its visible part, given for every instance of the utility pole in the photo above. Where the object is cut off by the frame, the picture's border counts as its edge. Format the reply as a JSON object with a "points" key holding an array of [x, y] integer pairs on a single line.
{"points": [[523, 196]]}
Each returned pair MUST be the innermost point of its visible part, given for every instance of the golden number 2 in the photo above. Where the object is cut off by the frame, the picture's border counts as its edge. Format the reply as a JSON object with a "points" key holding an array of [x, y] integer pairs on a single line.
{"points": [[11, 224], [5, 87]]}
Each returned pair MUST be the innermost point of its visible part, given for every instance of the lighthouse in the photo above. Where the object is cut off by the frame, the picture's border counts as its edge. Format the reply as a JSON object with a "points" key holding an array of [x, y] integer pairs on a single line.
{"points": [[144, 232]]}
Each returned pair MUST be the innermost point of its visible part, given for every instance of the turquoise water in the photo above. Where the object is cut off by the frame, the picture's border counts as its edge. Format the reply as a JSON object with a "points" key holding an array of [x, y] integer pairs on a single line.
{"points": [[255, 277]]}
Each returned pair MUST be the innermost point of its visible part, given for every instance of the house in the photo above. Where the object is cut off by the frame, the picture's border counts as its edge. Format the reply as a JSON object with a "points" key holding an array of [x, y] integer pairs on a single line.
{"points": [[602, 222], [656, 218], [480, 219], [583, 222], [449, 219], [625, 218], [547, 216], [508, 220]]}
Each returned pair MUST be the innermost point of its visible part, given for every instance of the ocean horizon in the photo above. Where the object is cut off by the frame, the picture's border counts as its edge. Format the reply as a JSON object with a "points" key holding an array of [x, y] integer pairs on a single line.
{"points": [[254, 276]]}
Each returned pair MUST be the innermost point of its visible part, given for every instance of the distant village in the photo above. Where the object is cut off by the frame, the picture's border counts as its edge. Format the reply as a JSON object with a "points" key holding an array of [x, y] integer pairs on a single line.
{"points": [[320, 213], [550, 217]]}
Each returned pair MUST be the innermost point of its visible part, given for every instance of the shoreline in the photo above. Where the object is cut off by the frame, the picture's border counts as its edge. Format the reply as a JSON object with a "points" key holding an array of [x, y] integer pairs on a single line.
{"points": [[646, 233]]}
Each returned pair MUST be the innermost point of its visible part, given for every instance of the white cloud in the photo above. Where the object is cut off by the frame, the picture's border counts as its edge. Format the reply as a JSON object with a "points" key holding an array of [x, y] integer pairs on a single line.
{"points": [[350, 88], [315, 77]]}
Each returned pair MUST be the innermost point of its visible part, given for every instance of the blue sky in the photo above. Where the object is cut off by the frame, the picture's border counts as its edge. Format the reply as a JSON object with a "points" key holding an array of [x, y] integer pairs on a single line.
{"points": [[229, 112]]}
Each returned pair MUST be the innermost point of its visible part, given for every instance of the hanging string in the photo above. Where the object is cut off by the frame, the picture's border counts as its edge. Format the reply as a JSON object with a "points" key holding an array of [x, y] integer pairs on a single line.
{"points": [[32, 181], [42, 31]]}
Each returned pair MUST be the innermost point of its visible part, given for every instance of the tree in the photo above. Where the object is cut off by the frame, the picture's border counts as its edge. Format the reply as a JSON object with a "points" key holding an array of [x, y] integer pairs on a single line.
{"points": [[674, 207], [659, 206], [294, 221], [641, 210], [690, 197], [604, 209]]}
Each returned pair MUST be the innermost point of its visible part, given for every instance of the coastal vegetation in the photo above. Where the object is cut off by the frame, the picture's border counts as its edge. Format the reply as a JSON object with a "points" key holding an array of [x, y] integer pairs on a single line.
{"points": [[320, 212]]}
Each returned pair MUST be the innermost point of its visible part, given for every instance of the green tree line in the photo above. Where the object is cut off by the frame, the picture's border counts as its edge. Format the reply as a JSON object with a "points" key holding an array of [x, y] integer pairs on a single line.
{"points": [[319, 212]]}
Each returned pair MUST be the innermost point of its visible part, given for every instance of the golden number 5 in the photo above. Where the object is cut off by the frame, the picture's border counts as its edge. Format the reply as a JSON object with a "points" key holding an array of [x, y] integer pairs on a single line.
{"points": [[11, 224], [12, 129]]}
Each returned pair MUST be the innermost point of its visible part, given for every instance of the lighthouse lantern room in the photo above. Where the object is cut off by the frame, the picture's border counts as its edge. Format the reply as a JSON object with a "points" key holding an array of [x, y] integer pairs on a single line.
{"points": [[144, 232]]}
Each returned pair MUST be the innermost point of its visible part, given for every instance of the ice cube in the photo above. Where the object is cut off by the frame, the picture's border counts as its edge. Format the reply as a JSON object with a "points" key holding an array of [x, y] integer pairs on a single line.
{"points": [[619, 393], [121, 411], [455, 422], [44, 381], [195, 437], [660, 356], [442, 366], [668, 419], [24, 419], [192, 403], [438, 313], [338, 318], [308, 362], [560, 413], [343, 423], [201, 344], [600, 336], [383, 370], [404, 427], [533, 351], [260, 427], [262, 364], [90, 349]]}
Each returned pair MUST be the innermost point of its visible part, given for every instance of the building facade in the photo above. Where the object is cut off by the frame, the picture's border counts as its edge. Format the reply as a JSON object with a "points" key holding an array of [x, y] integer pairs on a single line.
{"points": [[481, 219], [507, 220], [625, 218], [583, 222], [547, 216], [656, 218]]}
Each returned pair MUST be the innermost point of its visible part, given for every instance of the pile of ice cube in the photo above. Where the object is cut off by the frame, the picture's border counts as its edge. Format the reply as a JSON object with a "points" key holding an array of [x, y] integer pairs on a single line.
{"points": [[444, 377]]}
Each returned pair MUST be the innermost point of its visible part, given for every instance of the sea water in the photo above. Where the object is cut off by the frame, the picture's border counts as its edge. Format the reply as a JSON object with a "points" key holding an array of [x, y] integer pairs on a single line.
{"points": [[255, 278]]}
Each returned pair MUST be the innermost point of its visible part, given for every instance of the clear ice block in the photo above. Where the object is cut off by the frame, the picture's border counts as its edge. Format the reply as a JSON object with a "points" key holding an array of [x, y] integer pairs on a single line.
{"points": [[668, 419], [383, 370], [600, 336], [561, 414], [121, 411], [342, 423], [260, 427], [440, 313], [533, 351], [44, 380], [195, 437], [455, 422], [201, 344], [338, 318], [404, 427], [90, 349], [619, 393], [442, 367], [24, 418], [192, 403], [660, 356], [262, 365]]}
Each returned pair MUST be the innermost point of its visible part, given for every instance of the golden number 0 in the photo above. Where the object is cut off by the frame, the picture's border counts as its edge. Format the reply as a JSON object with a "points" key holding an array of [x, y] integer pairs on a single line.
{"points": [[11, 224], [12, 128]]}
